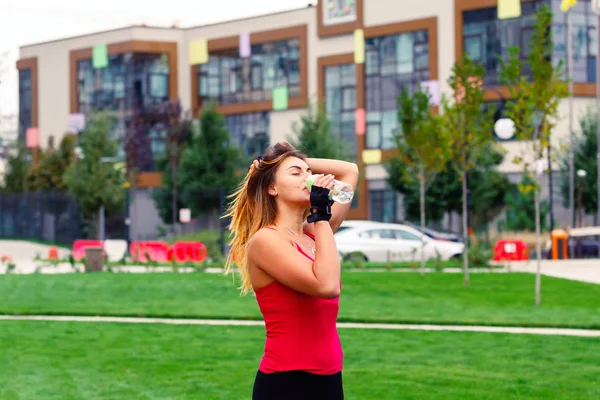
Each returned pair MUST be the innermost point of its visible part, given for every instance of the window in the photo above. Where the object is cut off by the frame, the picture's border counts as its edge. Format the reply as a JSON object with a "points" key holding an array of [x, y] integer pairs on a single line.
{"points": [[377, 234], [584, 40], [487, 39], [403, 235], [339, 11], [383, 205], [228, 79], [250, 132], [25, 102], [392, 63], [340, 102], [131, 82], [101, 89]]}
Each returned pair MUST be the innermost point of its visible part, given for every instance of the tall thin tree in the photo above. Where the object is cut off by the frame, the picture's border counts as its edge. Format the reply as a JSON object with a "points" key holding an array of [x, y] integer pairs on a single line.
{"points": [[422, 147], [536, 87], [469, 131]]}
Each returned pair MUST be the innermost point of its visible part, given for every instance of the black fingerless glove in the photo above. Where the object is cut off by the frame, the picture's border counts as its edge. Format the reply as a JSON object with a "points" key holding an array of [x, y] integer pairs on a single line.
{"points": [[320, 204]]}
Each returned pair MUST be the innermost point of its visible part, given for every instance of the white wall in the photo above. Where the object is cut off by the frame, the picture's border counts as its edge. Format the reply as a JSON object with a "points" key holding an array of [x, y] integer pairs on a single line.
{"points": [[281, 124], [143, 216], [559, 138]]}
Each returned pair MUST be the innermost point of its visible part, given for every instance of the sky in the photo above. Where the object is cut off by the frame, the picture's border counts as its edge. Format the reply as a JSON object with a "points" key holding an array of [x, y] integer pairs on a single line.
{"points": [[25, 22]]}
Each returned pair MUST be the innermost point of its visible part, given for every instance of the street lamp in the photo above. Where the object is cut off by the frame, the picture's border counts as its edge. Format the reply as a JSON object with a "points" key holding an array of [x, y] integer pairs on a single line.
{"points": [[504, 128], [580, 174]]}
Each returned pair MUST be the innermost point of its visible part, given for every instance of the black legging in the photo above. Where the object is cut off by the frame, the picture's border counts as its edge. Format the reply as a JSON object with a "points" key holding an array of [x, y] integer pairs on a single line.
{"points": [[297, 385]]}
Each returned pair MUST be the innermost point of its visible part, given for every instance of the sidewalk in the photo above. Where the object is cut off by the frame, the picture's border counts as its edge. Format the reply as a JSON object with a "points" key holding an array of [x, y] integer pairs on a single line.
{"points": [[577, 270], [341, 325]]}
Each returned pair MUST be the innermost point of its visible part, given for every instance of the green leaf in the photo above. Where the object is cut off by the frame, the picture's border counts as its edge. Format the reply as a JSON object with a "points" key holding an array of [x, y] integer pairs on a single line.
{"points": [[94, 183], [316, 137]]}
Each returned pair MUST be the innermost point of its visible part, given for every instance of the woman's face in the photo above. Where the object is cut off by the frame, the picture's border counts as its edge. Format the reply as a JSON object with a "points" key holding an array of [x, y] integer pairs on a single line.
{"points": [[290, 181]]}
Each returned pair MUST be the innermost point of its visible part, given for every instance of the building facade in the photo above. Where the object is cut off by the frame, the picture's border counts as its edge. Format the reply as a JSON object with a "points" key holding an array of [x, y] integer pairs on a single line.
{"points": [[308, 53]]}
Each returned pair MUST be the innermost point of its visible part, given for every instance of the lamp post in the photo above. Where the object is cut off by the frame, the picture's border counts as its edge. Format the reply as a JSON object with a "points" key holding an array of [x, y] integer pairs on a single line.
{"points": [[101, 219], [580, 174]]}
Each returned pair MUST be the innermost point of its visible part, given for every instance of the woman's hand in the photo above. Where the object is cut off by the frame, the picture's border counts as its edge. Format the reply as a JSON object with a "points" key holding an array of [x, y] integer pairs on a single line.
{"points": [[320, 203], [255, 164]]}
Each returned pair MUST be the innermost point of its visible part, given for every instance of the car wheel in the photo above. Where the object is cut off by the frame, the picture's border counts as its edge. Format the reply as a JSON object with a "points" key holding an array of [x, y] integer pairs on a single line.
{"points": [[355, 256], [456, 257]]}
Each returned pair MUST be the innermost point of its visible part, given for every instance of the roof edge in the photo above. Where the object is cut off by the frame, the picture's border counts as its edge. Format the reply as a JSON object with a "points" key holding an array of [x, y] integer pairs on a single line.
{"points": [[310, 5]]}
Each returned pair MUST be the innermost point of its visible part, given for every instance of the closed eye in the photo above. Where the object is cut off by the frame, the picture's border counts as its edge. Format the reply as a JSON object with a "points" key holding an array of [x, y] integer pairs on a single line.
{"points": [[297, 168]]}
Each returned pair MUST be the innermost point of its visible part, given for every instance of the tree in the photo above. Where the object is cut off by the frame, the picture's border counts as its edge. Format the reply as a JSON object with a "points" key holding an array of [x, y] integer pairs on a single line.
{"points": [[534, 109], [437, 200], [422, 147], [17, 171], [49, 173], [521, 206], [175, 131], [469, 130], [315, 137], [92, 181], [487, 186], [585, 152], [208, 166]]}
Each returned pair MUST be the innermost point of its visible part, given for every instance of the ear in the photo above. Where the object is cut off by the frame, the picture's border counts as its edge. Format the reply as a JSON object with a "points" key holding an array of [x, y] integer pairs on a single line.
{"points": [[272, 191]]}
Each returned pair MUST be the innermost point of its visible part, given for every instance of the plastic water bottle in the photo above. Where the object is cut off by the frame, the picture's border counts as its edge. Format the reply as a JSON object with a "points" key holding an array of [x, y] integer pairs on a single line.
{"points": [[341, 192]]}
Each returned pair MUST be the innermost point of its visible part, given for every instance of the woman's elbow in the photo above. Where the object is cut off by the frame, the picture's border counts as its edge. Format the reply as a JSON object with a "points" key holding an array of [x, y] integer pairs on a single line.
{"points": [[354, 169], [330, 293]]}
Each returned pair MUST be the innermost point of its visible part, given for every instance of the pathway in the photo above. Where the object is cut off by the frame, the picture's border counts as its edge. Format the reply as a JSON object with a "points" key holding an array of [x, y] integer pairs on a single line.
{"points": [[341, 325]]}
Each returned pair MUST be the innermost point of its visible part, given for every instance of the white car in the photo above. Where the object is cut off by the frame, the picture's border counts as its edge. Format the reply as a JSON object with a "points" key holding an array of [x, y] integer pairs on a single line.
{"points": [[377, 241]]}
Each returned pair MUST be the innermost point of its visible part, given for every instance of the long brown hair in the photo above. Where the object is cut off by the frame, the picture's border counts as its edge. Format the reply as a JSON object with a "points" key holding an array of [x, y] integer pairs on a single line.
{"points": [[252, 208]]}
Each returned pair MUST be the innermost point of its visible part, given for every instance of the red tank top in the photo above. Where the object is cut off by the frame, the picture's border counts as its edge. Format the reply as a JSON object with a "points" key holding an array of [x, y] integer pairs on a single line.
{"points": [[301, 330]]}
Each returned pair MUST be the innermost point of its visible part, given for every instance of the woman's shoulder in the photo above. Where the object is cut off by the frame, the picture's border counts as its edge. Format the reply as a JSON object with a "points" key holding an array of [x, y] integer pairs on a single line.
{"points": [[263, 241], [264, 235]]}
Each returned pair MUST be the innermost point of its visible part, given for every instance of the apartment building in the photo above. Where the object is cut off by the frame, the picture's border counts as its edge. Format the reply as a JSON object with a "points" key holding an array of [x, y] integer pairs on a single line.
{"points": [[299, 57]]}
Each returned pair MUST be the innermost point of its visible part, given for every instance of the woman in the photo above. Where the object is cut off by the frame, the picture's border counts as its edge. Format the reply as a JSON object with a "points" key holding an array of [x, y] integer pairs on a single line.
{"points": [[292, 264]]}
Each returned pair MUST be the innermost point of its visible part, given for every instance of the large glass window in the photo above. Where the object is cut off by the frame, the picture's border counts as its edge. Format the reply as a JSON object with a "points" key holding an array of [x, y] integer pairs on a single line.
{"points": [[487, 39], [340, 102], [250, 132], [131, 82], [392, 63], [25, 102], [384, 205], [229, 79], [584, 39]]}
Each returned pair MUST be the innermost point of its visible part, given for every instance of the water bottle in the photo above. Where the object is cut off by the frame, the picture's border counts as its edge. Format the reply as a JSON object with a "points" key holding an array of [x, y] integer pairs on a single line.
{"points": [[341, 192]]}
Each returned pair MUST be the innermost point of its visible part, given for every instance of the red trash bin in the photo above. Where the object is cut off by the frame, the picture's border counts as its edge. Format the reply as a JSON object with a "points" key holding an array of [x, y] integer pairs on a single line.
{"points": [[188, 251], [145, 251], [80, 245], [511, 250]]}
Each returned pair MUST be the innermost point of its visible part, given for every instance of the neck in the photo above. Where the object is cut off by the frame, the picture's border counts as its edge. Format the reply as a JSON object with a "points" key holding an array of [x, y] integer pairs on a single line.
{"points": [[292, 219]]}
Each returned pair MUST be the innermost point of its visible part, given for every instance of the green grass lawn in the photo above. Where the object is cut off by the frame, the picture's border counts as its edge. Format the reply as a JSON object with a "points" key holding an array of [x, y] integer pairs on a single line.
{"points": [[492, 299], [64, 361]]}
